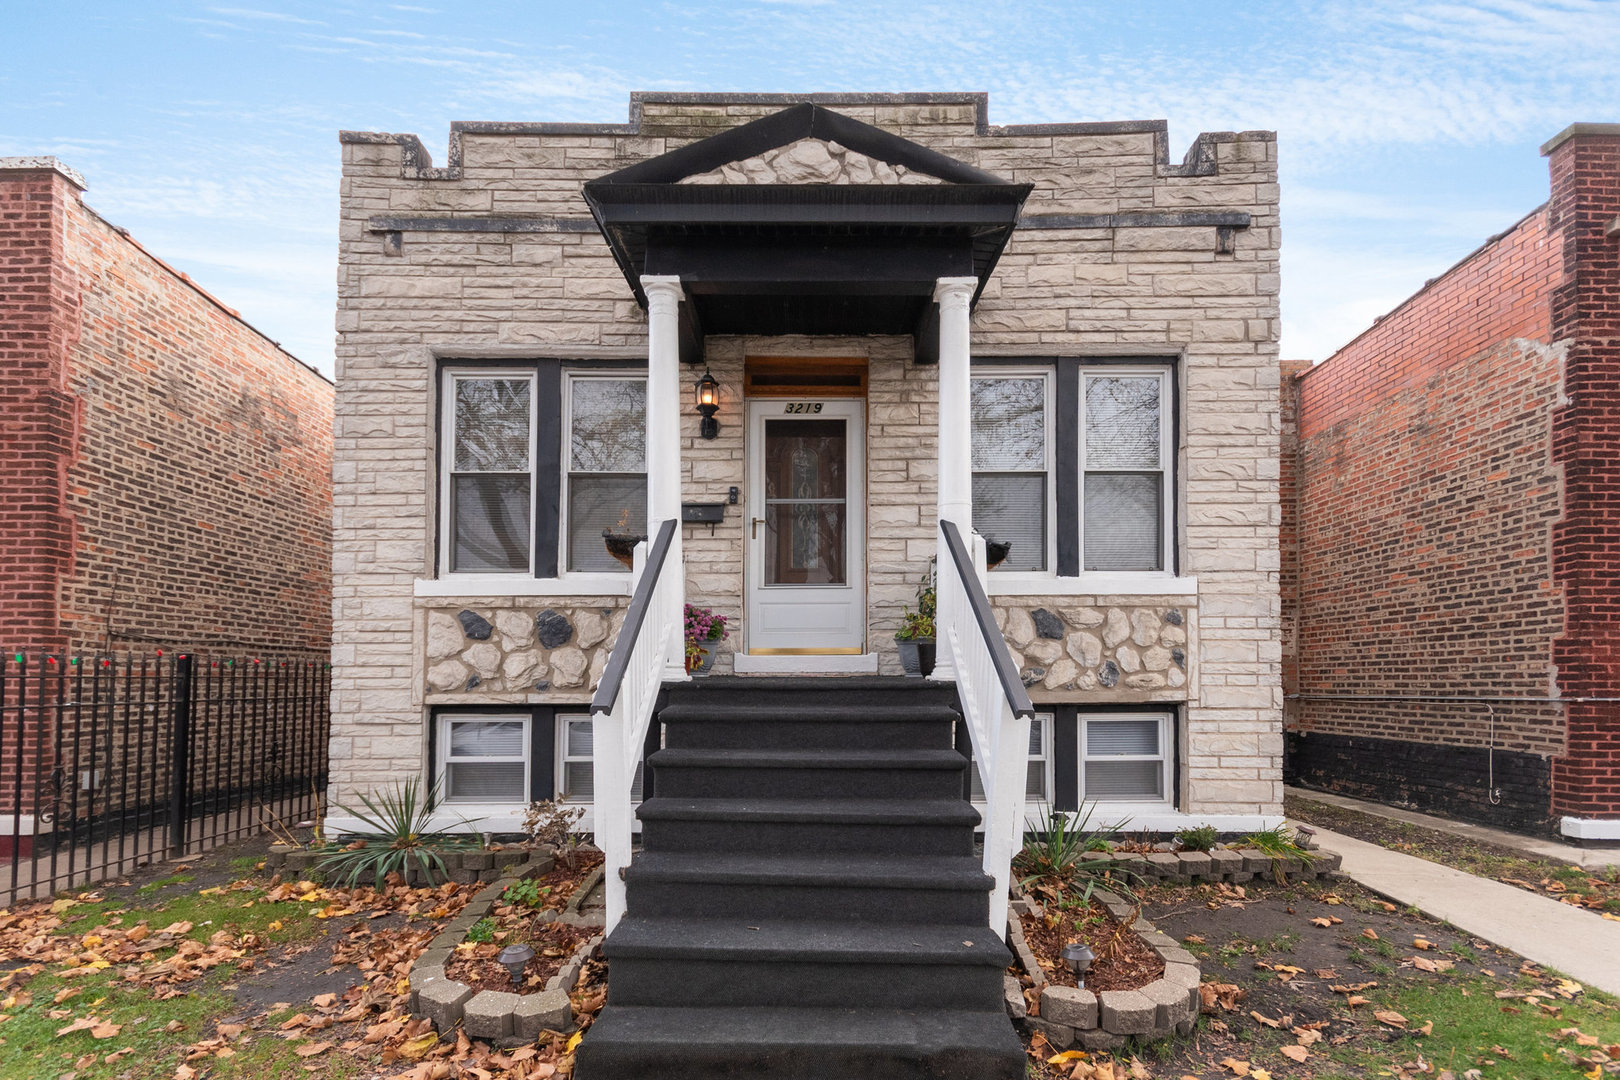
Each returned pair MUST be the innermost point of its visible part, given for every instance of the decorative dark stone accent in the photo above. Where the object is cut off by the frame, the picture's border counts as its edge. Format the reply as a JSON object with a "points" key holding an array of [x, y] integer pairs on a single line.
{"points": [[543, 685], [475, 625], [1109, 674], [1033, 675], [473, 681], [1438, 778], [1047, 625], [1179, 655], [552, 629], [1173, 617]]}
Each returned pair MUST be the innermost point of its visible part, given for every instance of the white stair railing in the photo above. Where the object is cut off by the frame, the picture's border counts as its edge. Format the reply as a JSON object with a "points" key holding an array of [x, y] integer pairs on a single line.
{"points": [[623, 705], [994, 703]]}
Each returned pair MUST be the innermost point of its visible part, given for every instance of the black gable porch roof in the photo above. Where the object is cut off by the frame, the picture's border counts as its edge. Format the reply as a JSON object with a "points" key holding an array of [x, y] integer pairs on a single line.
{"points": [[804, 258]]}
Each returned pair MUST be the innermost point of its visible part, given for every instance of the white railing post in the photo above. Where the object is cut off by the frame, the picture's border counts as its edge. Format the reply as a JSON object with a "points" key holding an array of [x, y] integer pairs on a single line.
{"points": [[987, 688], [610, 758], [955, 457], [664, 297]]}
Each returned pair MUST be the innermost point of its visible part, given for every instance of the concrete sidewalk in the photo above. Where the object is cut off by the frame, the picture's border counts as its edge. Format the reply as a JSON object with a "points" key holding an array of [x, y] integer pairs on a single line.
{"points": [[1595, 859], [1581, 944]]}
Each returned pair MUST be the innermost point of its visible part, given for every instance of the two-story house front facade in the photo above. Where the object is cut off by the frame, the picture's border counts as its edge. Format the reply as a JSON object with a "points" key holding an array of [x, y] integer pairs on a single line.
{"points": [[1050, 334]]}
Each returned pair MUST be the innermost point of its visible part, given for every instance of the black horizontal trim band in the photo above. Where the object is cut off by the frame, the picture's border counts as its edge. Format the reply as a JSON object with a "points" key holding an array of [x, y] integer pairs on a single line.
{"points": [[1161, 219], [514, 223]]}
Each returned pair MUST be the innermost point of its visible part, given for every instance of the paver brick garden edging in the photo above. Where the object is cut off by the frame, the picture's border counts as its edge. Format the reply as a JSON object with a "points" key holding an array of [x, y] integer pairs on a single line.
{"points": [[1222, 864], [502, 1019], [1168, 1004], [1103, 1021]]}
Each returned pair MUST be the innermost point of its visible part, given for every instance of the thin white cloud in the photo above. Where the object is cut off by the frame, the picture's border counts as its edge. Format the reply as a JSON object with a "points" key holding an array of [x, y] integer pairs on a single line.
{"points": [[267, 16]]}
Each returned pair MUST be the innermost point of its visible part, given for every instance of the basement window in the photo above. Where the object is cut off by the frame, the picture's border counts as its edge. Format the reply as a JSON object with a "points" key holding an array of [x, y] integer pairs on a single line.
{"points": [[1038, 783], [485, 758], [1124, 757], [576, 780]]}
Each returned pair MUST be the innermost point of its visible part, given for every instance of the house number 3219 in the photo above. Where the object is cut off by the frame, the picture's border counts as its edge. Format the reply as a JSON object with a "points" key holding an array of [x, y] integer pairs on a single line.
{"points": [[802, 407]]}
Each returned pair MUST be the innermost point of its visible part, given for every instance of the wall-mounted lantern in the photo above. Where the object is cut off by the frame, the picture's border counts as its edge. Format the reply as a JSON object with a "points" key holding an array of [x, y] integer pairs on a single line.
{"points": [[708, 403]]}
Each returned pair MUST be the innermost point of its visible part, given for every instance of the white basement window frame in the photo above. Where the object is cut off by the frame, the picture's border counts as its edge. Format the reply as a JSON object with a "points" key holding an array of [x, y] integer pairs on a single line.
{"points": [[1138, 763], [1038, 782], [575, 780], [453, 790]]}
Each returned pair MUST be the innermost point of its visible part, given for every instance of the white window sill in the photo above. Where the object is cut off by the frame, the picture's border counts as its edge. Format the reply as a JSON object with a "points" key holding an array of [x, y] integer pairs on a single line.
{"points": [[1093, 583], [597, 584]]}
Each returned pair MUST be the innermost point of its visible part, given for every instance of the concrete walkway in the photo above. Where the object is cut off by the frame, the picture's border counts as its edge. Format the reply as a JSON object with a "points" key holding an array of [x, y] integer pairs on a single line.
{"points": [[1596, 858], [1581, 944]]}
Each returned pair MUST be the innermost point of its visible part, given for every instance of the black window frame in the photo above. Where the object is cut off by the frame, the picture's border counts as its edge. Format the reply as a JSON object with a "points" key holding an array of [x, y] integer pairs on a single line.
{"points": [[550, 376], [1065, 465]]}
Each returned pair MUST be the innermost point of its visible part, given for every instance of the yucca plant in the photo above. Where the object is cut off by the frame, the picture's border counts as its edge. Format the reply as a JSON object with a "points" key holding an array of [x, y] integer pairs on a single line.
{"points": [[396, 838], [1052, 858]]}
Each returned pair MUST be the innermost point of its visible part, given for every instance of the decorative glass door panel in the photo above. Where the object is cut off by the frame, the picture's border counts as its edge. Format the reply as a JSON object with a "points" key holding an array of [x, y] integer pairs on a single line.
{"points": [[806, 492], [806, 527]]}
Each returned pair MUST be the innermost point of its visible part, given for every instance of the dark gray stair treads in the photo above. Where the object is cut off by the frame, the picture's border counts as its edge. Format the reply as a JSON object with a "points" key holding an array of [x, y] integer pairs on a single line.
{"points": [[943, 873], [944, 760], [806, 942], [788, 1043], [802, 711], [820, 811]]}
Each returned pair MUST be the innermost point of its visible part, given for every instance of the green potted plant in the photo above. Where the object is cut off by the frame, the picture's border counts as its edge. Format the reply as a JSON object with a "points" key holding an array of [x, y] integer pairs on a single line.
{"points": [[916, 634], [704, 632]]}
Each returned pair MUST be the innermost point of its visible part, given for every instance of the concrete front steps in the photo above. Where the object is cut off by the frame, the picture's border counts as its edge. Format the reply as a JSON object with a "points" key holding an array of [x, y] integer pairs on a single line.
{"points": [[807, 903]]}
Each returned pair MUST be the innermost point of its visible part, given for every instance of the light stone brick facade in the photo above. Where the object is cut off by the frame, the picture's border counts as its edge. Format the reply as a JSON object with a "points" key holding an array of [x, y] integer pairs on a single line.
{"points": [[1105, 263]]}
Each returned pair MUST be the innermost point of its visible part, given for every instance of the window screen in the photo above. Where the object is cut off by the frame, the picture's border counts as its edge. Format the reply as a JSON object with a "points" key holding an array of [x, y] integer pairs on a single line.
{"points": [[490, 478], [1122, 510], [486, 759], [1010, 460], [607, 466]]}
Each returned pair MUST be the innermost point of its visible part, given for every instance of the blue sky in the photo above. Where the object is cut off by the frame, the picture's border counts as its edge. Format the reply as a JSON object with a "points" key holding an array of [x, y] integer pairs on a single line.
{"points": [[1408, 132]]}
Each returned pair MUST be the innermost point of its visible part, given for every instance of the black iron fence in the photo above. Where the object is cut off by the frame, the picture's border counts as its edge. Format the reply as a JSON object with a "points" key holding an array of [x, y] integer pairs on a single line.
{"points": [[108, 762]]}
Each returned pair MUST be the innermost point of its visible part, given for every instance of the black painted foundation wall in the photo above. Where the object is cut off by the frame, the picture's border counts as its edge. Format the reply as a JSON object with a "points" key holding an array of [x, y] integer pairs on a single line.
{"points": [[1450, 781]]}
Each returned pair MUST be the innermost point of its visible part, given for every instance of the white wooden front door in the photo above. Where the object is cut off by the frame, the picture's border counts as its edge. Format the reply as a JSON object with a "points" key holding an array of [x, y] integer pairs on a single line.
{"points": [[806, 575]]}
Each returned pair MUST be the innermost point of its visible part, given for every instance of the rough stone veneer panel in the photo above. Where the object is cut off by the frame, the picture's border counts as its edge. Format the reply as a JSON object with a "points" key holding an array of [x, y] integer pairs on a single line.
{"points": [[1149, 292], [1107, 649]]}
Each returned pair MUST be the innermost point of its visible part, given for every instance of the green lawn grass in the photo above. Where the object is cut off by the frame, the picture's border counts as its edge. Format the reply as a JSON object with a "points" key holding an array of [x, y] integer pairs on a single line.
{"points": [[30, 1049]]}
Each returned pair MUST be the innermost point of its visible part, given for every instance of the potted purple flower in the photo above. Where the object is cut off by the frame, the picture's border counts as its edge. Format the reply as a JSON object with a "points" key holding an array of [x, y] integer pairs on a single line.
{"points": [[704, 632]]}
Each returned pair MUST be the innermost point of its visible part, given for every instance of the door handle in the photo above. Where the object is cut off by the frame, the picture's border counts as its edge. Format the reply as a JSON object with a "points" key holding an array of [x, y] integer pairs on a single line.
{"points": [[753, 531]]}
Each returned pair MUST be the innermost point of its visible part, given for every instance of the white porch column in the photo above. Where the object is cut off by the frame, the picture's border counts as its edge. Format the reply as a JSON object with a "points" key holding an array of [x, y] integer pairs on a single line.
{"points": [[955, 420], [955, 451], [664, 296]]}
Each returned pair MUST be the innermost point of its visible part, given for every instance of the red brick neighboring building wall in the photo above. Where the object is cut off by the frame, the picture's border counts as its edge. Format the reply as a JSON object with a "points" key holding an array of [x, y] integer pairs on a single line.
{"points": [[1585, 209], [1451, 520], [171, 466]]}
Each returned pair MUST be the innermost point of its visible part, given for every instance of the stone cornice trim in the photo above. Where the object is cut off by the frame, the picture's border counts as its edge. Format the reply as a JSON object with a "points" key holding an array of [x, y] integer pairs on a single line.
{"points": [[417, 164], [45, 163]]}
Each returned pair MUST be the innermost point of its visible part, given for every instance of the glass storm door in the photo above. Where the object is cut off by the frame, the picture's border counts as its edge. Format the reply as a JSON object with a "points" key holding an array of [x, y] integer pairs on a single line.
{"points": [[806, 527]]}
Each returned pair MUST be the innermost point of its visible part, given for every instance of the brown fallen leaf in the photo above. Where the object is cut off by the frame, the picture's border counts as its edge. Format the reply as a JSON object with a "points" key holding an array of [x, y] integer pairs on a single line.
{"points": [[1356, 999], [1295, 1053], [1422, 943], [1427, 1028], [311, 1049], [1307, 1036], [1239, 1068], [1263, 1019], [1390, 1017], [324, 1001], [1194, 939], [83, 1023], [185, 1072], [1370, 934], [1324, 923]]}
